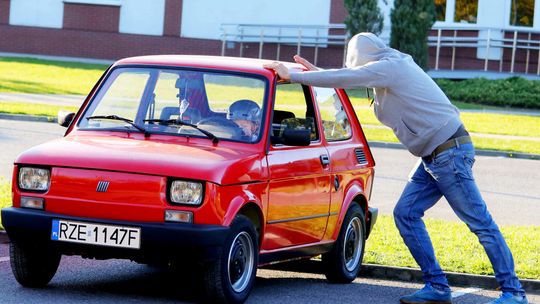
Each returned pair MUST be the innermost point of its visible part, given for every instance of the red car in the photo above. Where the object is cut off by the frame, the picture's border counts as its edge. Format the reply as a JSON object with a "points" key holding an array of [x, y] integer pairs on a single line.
{"points": [[202, 159]]}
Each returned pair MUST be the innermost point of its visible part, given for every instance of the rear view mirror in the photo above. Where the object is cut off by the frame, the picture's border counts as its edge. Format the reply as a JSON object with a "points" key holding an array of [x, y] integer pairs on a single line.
{"points": [[65, 118]]}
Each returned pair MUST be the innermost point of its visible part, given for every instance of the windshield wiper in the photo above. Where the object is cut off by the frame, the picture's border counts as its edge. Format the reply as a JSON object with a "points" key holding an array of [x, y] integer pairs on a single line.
{"points": [[181, 123], [129, 121]]}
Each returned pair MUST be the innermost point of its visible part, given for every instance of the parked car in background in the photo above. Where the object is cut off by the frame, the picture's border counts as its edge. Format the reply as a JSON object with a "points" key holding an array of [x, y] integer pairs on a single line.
{"points": [[207, 160]]}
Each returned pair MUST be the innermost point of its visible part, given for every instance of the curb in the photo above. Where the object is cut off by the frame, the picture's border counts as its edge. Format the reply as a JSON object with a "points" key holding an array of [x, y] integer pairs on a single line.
{"points": [[405, 274], [24, 117], [4, 239], [492, 153]]}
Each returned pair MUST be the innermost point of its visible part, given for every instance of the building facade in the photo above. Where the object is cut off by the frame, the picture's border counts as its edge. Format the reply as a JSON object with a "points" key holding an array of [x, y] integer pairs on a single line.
{"points": [[490, 35]]}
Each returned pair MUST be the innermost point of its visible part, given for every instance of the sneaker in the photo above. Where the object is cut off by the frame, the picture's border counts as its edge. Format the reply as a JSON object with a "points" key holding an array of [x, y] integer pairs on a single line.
{"points": [[428, 295], [509, 298]]}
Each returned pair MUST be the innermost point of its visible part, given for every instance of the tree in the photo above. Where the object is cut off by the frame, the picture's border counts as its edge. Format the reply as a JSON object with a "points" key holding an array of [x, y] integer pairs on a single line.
{"points": [[411, 23], [364, 16]]}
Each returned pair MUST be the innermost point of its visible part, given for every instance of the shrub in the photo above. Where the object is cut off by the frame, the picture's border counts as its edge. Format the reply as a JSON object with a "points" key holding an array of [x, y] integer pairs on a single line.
{"points": [[364, 16], [411, 23], [510, 92]]}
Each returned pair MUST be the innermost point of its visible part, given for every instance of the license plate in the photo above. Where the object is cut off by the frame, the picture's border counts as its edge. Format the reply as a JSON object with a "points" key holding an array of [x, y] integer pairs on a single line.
{"points": [[96, 234]]}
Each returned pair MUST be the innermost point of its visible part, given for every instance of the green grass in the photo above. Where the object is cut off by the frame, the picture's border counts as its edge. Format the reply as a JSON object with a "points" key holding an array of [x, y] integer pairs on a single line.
{"points": [[25, 75], [5, 196], [33, 109], [457, 249]]}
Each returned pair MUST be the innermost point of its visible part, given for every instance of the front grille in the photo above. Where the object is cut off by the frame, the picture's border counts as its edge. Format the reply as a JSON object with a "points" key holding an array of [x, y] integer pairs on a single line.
{"points": [[360, 156]]}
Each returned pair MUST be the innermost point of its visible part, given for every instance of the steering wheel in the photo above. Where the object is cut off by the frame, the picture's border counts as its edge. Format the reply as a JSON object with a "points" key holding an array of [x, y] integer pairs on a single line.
{"points": [[221, 127]]}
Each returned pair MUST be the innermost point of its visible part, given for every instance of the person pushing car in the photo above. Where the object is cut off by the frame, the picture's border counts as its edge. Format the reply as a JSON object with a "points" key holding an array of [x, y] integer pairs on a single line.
{"points": [[421, 116]]}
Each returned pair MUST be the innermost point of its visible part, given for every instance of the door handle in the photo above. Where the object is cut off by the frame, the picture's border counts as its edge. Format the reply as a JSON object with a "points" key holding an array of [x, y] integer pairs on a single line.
{"points": [[325, 160]]}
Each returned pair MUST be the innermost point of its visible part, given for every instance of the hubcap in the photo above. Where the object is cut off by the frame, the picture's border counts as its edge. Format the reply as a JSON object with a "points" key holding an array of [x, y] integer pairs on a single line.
{"points": [[352, 246], [241, 257]]}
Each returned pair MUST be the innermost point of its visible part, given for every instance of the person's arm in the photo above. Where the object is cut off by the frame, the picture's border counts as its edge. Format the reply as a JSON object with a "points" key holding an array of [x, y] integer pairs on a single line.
{"points": [[376, 74]]}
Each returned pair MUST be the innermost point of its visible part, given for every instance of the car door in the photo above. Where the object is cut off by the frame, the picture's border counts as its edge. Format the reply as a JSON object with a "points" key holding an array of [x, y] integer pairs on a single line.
{"points": [[350, 159], [299, 187]]}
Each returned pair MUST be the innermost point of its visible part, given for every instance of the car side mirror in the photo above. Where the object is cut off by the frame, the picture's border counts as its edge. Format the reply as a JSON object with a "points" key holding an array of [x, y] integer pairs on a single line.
{"points": [[65, 118], [293, 137]]}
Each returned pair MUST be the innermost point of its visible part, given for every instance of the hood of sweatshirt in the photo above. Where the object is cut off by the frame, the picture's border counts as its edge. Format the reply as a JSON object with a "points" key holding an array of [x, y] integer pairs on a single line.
{"points": [[364, 48]]}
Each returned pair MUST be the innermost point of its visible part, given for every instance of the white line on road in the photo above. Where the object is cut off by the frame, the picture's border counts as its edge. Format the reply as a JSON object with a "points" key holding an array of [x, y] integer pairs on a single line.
{"points": [[463, 292], [4, 259]]}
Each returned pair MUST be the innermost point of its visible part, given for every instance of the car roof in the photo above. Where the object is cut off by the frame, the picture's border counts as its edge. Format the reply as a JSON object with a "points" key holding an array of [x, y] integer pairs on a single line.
{"points": [[219, 62]]}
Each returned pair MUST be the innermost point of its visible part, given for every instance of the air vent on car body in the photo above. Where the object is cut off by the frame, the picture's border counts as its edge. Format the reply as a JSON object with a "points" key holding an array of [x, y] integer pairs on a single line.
{"points": [[360, 156]]}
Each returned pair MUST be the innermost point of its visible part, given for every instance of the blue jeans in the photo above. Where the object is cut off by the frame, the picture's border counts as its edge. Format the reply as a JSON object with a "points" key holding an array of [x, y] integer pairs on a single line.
{"points": [[449, 174]]}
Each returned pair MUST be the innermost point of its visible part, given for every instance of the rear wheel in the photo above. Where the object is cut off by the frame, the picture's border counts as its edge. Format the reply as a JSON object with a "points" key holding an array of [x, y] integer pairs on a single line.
{"points": [[33, 265], [343, 262], [231, 278]]}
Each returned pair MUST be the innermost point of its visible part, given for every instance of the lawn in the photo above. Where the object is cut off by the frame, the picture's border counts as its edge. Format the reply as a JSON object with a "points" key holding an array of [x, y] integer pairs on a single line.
{"points": [[25, 75], [457, 249]]}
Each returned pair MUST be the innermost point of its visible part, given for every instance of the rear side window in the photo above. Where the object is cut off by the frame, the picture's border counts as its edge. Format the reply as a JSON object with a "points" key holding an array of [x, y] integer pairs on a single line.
{"points": [[293, 109], [334, 119]]}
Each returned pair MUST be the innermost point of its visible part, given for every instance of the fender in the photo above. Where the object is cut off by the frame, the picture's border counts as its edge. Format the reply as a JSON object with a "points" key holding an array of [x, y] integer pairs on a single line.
{"points": [[238, 202], [355, 189]]}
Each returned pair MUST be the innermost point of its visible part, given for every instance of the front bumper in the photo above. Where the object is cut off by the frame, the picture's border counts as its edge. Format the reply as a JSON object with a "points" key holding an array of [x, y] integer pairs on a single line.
{"points": [[165, 242]]}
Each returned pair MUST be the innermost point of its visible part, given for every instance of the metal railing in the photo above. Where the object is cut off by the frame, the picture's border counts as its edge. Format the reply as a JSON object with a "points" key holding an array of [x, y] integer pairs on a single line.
{"points": [[492, 41], [314, 36]]}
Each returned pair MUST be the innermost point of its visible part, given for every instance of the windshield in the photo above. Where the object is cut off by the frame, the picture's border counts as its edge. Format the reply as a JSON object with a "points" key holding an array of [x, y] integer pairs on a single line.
{"points": [[181, 102]]}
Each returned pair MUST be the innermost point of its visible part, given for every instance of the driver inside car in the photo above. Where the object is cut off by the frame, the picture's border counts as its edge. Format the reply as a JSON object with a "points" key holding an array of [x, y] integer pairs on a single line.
{"points": [[247, 115]]}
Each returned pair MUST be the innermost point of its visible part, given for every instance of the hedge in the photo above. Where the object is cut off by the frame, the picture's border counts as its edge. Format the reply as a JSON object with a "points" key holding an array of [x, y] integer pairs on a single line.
{"points": [[513, 92]]}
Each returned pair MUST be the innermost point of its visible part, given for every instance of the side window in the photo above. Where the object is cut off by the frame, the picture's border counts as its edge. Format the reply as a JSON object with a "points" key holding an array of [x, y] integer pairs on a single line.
{"points": [[292, 110], [334, 119]]}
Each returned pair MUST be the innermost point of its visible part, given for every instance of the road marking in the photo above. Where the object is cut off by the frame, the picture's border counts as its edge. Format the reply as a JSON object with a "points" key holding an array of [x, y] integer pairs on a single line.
{"points": [[4, 259], [464, 291]]}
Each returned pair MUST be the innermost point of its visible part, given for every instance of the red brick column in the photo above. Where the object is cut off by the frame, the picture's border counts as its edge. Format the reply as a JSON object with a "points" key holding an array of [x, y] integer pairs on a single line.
{"points": [[4, 11], [173, 17]]}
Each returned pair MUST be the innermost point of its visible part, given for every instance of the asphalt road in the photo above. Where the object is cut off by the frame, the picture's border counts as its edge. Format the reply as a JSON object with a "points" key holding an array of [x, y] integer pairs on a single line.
{"points": [[120, 281], [510, 187]]}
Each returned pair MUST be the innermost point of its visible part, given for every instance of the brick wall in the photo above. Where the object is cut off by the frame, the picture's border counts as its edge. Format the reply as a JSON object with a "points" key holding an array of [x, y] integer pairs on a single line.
{"points": [[88, 17]]}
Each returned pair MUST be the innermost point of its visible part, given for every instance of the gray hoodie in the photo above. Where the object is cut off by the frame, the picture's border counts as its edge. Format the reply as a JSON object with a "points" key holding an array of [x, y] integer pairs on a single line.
{"points": [[407, 100]]}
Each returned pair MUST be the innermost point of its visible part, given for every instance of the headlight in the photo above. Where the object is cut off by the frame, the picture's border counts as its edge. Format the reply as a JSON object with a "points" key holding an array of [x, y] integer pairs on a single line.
{"points": [[184, 192], [36, 179]]}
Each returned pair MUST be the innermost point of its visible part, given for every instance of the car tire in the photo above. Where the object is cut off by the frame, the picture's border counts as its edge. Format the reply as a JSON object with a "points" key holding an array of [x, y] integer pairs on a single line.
{"points": [[230, 278], [342, 263], [33, 265]]}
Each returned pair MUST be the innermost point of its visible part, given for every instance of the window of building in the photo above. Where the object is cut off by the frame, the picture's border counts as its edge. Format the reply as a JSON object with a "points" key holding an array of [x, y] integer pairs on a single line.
{"points": [[522, 13], [440, 10], [466, 11]]}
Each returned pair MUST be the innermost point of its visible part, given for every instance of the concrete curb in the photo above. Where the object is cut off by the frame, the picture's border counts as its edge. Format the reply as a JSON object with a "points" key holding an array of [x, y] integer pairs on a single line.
{"points": [[4, 239], [24, 117], [406, 275]]}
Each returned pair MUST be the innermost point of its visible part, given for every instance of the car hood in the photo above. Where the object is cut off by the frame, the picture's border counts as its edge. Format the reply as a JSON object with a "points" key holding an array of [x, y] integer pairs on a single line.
{"points": [[220, 164]]}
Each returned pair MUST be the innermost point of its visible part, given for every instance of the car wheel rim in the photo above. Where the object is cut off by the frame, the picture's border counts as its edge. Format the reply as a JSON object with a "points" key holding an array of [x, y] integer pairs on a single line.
{"points": [[240, 262], [352, 246]]}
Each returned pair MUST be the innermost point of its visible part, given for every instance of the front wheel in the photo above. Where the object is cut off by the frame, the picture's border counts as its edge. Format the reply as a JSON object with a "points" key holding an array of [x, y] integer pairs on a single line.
{"points": [[231, 278], [33, 265], [343, 262]]}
